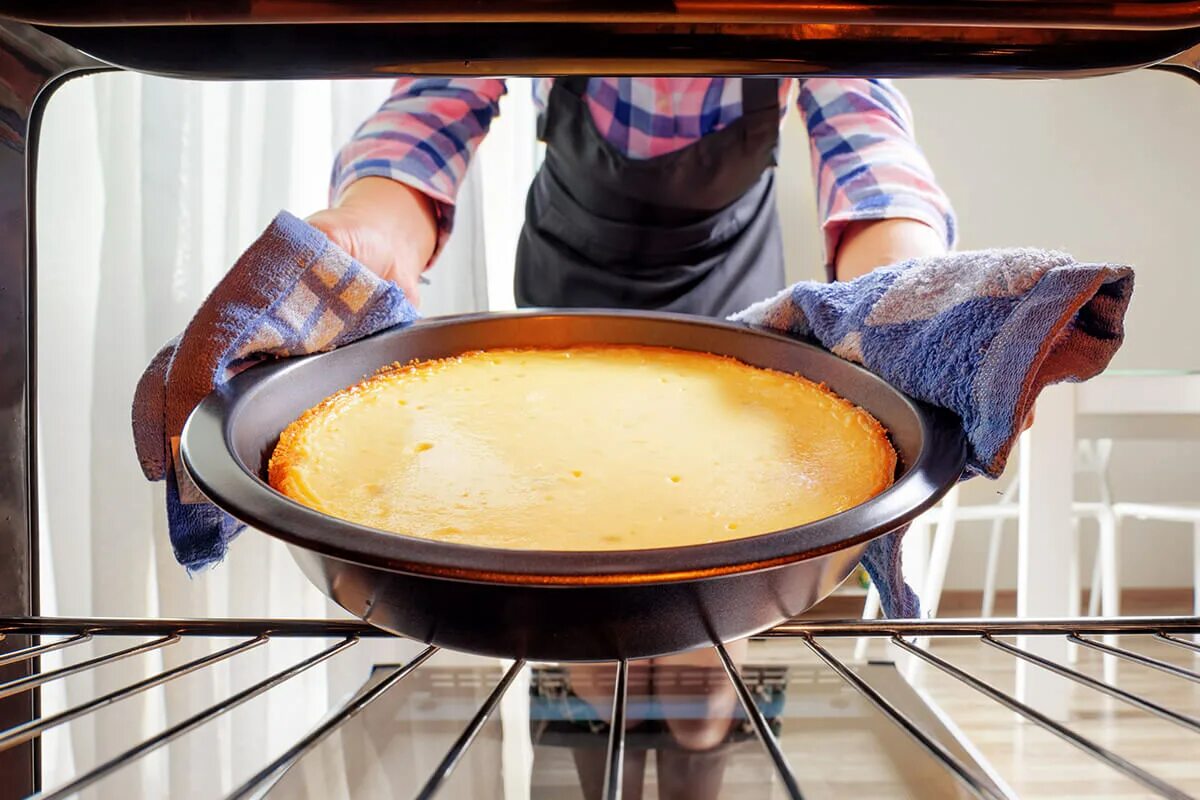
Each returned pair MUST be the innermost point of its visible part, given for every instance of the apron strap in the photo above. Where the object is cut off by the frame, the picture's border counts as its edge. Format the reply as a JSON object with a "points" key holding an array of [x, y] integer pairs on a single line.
{"points": [[759, 94], [575, 85]]}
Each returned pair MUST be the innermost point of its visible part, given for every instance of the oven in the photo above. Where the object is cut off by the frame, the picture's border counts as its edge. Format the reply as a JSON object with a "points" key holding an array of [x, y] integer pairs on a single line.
{"points": [[806, 719]]}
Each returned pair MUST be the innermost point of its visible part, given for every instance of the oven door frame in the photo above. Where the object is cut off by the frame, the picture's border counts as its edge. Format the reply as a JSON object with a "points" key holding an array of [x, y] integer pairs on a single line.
{"points": [[35, 61]]}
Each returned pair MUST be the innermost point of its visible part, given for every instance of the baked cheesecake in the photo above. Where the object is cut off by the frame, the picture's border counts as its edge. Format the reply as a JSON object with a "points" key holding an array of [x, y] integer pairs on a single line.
{"points": [[583, 448]]}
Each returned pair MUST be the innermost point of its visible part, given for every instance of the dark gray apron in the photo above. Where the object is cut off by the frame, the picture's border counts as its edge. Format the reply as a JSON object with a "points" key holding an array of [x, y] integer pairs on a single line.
{"points": [[694, 230]]}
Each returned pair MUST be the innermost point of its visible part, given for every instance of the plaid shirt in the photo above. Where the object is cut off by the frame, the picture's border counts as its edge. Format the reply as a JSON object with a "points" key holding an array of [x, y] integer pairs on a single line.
{"points": [[866, 161]]}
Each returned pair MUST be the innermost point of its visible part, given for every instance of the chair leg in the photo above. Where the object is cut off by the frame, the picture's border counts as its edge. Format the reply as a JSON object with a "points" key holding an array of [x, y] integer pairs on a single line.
{"points": [[1009, 497], [1110, 575], [1093, 609], [1196, 578], [935, 577], [993, 563], [1196, 571], [1073, 583], [870, 611], [914, 551], [1073, 570], [939, 558], [1110, 580], [1102, 455]]}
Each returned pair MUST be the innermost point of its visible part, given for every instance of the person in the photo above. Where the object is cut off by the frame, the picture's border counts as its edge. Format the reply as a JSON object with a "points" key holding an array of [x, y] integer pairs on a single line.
{"points": [[655, 193]]}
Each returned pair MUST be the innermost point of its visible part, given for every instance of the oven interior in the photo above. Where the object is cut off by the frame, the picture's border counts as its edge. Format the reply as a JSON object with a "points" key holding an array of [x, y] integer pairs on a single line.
{"points": [[465, 720]]}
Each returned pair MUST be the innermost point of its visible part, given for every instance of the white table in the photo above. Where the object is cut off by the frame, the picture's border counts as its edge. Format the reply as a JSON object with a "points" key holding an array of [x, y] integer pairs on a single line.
{"points": [[1139, 404], [1117, 404]]}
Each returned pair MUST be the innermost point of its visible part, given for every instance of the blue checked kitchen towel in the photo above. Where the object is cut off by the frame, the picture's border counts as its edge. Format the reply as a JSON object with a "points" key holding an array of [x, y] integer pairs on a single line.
{"points": [[291, 293], [978, 333]]}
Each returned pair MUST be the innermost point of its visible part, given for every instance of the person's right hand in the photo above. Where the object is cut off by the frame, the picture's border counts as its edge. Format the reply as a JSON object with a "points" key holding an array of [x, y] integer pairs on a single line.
{"points": [[388, 226]]}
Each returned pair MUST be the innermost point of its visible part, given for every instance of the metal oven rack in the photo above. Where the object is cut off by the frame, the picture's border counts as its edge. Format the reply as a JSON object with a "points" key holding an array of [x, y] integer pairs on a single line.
{"points": [[58, 634]]}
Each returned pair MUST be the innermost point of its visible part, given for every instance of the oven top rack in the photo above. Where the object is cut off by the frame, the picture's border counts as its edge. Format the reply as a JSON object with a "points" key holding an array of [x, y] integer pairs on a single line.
{"points": [[27, 640]]}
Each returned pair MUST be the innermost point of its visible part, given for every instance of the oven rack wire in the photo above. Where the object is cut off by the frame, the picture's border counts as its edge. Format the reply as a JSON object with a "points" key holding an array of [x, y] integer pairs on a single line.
{"points": [[339, 636]]}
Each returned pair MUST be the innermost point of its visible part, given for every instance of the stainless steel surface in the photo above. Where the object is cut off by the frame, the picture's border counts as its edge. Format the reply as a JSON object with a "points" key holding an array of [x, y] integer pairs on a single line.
{"points": [[978, 785], [1155, 784], [977, 627], [30, 652], [33, 728], [1177, 642], [31, 66], [459, 748], [30, 681], [952, 756], [270, 51], [765, 735], [1190, 723], [615, 755], [179, 729], [883, 38], [261, 782], [1137, 658], [1164, 14]]}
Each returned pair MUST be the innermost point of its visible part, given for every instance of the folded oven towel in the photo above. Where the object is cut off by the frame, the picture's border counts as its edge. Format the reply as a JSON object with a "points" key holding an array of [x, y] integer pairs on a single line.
{"points": [[977, 333], [291, 293]]}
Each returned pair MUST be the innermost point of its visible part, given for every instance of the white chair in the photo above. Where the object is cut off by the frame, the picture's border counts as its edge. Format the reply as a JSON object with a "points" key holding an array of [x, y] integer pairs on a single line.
{"points": [[1092, 459], [1162, 512], [1141, 405]]}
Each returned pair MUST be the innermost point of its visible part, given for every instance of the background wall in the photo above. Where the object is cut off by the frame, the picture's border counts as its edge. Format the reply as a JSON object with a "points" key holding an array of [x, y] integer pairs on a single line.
{"points": [[1104, 169]]}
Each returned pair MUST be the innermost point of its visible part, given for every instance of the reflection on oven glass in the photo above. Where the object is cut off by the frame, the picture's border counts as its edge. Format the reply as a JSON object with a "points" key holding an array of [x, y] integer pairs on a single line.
{"points": [[392, 747], [684, 727], [686, 735]]}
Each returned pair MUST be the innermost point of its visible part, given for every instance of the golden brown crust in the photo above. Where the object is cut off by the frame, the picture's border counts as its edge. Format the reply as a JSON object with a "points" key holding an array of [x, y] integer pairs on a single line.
{"points": [[284, 459]]}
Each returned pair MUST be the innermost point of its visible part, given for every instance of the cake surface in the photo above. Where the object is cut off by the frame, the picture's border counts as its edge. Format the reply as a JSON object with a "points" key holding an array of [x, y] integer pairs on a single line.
{"points": [[584, 448]]}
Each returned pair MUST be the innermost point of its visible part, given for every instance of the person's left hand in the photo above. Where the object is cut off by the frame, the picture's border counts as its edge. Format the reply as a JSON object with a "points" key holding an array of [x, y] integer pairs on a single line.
{"points": [[389, 227], [868, 244]]}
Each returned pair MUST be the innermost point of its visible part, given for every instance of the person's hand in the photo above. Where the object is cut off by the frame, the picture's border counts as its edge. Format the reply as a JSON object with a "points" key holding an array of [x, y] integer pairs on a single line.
{"points": [[390, 227], [868, 244]]}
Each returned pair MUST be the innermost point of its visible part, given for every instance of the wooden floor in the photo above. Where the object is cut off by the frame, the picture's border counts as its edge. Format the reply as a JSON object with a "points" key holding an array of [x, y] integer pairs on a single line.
{"points": [[1032, 762], [1035, 764]]}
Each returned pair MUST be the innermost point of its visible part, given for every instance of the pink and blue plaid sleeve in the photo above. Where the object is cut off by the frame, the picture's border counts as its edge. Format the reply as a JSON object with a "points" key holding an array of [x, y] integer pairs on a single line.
{"points": [[866, 160], [424, 136]]}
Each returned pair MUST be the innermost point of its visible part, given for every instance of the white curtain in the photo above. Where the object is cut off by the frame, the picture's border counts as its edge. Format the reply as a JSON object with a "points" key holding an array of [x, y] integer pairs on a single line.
{"points": [[148, 189]]}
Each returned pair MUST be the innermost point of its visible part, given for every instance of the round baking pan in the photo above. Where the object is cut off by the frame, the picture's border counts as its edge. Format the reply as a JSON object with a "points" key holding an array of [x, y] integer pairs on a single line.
{"points": [[560, 605]]}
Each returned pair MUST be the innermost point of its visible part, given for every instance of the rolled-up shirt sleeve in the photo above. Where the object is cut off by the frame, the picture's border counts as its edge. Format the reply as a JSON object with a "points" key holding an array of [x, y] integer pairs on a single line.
{"points": [[424, 136], [866, 160]]}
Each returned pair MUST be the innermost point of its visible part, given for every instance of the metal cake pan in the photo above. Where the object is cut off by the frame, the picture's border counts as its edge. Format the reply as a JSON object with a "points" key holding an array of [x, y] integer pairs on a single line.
{"points": [[561, 605]]}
